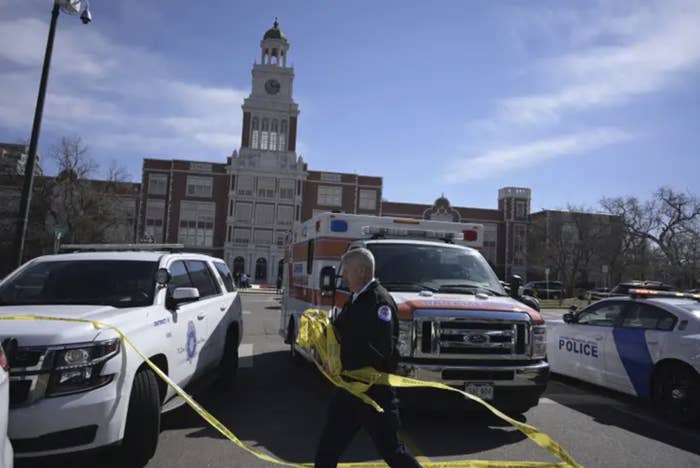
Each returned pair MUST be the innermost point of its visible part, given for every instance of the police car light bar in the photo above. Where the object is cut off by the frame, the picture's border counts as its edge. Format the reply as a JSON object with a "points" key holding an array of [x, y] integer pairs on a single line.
{"points": [[120, 247], [662, 294], [410, 232]]}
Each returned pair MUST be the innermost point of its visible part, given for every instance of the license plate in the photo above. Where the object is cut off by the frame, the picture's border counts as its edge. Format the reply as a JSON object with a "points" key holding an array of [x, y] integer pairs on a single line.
{"points": [[482, 390]]}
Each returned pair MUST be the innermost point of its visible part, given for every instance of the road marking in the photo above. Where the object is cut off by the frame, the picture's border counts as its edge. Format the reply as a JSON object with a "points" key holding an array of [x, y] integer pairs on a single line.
{"points": [[246, 312], [245, 355]]}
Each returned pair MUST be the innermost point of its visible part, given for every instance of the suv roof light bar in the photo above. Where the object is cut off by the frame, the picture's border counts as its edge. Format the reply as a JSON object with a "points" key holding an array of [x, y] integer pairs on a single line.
{"points": [[642, 293], [121, 247]]}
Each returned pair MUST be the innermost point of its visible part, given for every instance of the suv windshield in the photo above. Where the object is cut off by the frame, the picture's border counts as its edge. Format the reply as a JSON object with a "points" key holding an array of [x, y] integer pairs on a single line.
{"points": [[413, 267], [117, 283]]}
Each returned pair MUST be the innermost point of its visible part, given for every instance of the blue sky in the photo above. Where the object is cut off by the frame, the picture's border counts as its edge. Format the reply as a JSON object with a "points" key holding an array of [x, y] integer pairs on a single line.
{"points": [[576, 100]]}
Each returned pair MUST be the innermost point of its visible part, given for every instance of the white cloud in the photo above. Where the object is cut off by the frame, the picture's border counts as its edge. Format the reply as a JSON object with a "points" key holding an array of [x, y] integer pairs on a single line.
{"points": [[650, 46], [505, 159], [115, 97], [612, 53]]}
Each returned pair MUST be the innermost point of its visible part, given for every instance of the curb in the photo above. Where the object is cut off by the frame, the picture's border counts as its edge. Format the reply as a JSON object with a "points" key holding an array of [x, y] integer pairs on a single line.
{"points": [[257, 291]]}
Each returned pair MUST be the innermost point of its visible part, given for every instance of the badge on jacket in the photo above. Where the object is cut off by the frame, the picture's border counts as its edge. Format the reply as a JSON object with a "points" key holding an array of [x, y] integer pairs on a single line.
{"points": [[384, 313]]}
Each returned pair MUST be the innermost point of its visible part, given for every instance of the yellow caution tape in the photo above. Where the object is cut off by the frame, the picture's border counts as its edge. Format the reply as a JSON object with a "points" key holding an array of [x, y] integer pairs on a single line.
{"points": [[316, 336], [313, 337]]}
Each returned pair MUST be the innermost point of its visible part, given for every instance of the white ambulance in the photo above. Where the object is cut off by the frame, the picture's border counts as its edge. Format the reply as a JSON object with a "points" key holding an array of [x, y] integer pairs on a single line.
{"points": [[457, 324]]}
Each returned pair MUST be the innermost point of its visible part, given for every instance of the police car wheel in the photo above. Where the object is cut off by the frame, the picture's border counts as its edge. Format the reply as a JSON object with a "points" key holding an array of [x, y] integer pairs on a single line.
{"points": [[229, 360], [142, 420], [676, 392]]}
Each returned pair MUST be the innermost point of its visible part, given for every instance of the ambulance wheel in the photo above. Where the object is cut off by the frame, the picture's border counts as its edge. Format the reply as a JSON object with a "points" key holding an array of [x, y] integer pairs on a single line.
{"points": [[291, 337], [676, 393], [229, 361], [142, 420]]}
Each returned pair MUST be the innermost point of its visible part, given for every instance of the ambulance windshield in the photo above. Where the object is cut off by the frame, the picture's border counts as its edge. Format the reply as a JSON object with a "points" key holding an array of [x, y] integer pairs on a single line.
{"points": [[413, 267]]}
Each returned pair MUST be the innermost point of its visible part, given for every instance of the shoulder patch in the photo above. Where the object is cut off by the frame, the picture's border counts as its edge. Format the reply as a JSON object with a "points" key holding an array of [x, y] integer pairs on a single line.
{"points": [[384, 313]]}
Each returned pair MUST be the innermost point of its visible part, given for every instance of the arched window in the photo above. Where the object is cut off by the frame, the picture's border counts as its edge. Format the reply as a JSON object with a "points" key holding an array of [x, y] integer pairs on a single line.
{"points": [[264, 136], [261, 269], [274, 128], [282, 143], [255, 136], [238, 266]]}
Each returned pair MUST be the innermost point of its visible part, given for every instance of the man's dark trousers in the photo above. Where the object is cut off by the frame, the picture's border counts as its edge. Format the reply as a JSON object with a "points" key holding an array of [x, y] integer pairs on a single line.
{"points": [[347, 414]]}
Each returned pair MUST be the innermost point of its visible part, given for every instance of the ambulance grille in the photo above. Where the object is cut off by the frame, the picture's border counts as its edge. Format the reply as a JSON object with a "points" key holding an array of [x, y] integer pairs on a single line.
{"points": [[458, 337]]}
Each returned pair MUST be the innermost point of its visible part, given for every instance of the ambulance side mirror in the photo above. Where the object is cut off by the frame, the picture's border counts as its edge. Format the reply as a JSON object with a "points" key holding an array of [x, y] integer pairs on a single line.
{"points": [[327, 281], [515, 282]]}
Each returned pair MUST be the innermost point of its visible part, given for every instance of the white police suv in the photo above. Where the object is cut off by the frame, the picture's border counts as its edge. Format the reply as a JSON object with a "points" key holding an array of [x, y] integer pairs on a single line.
{"points": [[74, 387], [5, 445], [646, 344]]}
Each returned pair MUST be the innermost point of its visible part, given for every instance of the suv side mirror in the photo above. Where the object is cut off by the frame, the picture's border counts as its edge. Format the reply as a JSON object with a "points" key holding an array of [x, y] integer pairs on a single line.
{"points": [[182, 295], [515, 282], [569, 317], [327, 281]]}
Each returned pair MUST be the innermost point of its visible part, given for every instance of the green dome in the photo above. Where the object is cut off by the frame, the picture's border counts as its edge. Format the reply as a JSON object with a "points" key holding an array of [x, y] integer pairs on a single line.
{"points": [[275, 32]]}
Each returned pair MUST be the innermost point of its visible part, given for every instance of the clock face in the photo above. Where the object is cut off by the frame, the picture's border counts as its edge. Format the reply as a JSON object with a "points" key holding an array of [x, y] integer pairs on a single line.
{"points": [[272, 86]]}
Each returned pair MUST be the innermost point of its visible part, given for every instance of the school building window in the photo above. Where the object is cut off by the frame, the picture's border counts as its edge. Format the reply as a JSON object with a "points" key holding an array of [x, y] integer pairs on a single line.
{"points": [[330, 196]]}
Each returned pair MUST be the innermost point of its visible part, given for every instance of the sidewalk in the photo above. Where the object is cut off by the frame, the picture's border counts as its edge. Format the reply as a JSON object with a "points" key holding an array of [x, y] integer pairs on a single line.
{"points": [[256, 289]]}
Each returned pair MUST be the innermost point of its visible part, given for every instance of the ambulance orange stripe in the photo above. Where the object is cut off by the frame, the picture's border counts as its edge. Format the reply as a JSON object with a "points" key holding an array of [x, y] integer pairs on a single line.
{"points": [[331, 248]]}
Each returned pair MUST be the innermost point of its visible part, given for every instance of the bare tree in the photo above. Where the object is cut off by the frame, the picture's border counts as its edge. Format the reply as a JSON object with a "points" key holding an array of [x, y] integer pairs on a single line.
{"points": [[116, 172], [668, 223], [87, 208]]}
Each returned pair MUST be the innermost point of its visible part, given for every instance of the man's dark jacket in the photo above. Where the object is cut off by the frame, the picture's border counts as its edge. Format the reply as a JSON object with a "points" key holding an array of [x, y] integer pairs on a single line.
{"points": [[368, 331]]}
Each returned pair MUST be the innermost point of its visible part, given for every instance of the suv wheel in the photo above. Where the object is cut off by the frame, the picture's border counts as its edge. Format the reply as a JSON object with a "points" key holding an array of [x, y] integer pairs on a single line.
{"points": [[142, 420], [229, 359]]}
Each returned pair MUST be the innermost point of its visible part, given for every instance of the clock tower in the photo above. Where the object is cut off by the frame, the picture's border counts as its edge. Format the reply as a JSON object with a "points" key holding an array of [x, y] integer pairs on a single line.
{"points": [[266, 175], [269, 113]]}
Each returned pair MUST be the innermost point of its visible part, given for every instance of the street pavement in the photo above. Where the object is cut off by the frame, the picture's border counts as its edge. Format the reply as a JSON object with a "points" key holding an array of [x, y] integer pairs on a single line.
{"points": [[279, 407]]}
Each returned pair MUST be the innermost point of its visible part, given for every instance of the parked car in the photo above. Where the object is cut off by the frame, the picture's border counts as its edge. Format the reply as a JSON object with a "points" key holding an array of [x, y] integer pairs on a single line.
{"points": [[77, 388], [5, 445], [644, 345], [545, 290], [623, 288]]}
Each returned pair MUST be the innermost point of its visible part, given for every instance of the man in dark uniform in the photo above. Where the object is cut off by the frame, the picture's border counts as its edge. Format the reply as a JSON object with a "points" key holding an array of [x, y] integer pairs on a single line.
{"points": [[367, 329]]}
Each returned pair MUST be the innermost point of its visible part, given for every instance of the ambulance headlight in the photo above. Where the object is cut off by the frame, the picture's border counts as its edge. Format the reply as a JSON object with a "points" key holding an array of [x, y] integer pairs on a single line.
{"points": [[77, 368], [407, 337], [539, 342]]}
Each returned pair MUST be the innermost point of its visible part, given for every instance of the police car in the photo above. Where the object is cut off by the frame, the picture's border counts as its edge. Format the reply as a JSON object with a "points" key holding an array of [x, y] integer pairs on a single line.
{"points": [[646, 344], [74, 387]]}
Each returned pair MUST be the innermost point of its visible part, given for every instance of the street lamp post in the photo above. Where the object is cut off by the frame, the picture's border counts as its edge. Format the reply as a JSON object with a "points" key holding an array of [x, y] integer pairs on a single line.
{"points": [[25, 201]]}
